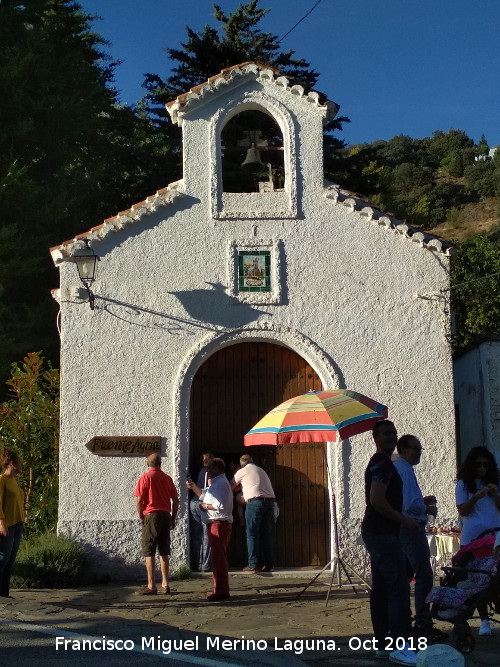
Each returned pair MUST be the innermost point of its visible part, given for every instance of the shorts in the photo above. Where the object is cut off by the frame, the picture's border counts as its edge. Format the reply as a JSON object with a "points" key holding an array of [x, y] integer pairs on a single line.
{"points": [[156, 534]]}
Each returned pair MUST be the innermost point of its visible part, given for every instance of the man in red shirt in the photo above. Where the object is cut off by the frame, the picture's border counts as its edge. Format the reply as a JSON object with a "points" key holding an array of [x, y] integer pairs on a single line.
{"points": [[157, 503]]}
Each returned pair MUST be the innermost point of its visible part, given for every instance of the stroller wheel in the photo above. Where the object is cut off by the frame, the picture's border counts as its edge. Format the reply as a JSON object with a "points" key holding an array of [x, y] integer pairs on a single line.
{"points": [[464, 641]]}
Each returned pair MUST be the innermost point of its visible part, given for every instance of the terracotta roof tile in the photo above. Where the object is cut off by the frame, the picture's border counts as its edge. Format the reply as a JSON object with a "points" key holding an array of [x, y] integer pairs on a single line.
{"points": [[224, 73]]}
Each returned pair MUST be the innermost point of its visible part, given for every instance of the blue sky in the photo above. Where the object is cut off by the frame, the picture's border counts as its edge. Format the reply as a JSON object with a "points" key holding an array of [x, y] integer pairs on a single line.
{"points": [[394, 66]]}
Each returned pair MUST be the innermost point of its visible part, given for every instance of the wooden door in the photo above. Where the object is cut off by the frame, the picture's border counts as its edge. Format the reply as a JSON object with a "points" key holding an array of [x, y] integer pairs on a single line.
{"points": [[231, 391]]}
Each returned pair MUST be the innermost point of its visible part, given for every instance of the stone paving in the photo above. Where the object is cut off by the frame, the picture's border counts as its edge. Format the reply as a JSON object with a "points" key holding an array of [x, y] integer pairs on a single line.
{"points": [[263, 608]]}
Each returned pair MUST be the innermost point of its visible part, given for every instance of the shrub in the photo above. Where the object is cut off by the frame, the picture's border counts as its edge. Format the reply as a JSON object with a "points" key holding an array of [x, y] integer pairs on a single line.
{"points": [[453, 216], [29, 423], [49, 561]]}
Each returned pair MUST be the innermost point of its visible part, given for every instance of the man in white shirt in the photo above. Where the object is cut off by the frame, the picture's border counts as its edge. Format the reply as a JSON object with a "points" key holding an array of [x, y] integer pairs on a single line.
{"points": [[259, 513], [216, 505], [414, 543]]}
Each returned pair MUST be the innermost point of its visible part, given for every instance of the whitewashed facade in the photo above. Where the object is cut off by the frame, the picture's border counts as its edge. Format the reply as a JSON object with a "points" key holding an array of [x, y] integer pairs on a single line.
{"points": [[354, 292]]}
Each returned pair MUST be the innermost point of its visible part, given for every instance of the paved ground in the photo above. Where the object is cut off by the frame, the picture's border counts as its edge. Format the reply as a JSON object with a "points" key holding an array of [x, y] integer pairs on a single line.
{"points": [[264, 623]]}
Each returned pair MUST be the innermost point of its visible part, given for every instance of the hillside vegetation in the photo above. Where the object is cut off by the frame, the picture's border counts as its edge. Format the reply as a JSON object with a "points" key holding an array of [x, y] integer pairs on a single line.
{"points": [[480, 217], [444, 183]]}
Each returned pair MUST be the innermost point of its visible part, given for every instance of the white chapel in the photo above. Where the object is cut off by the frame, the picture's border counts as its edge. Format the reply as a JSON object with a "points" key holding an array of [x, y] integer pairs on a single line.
{"points": [[249, 281]]}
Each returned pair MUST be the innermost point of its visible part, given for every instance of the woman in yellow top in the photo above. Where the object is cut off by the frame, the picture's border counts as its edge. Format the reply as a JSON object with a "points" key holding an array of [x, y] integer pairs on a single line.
{"points": [[11, 515]]}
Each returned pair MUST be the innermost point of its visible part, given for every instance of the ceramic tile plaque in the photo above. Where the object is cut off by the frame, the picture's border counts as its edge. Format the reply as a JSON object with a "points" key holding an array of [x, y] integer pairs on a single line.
{"points": [[254, 271]]}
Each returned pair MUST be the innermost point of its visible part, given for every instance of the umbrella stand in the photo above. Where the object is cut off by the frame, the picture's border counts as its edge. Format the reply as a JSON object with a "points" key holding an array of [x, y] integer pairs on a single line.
{"points": [[339, 563], [314, 417]]}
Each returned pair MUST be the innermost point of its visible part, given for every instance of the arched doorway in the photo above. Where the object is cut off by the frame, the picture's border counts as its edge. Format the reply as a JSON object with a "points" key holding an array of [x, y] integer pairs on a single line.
{"points": [[231, 391]]}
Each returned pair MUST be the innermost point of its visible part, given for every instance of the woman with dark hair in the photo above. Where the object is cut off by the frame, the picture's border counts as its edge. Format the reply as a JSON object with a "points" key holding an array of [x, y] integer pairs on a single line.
{"points": [[478, 503], [11, 515]]}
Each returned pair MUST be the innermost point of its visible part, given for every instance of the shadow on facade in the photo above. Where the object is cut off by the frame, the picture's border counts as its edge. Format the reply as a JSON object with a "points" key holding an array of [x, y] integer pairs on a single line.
{"points": [[210, 310], [215, 306]]}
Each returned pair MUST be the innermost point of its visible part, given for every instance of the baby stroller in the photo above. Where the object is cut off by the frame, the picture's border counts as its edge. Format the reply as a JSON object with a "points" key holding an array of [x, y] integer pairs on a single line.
{"points": [[474, 578]]}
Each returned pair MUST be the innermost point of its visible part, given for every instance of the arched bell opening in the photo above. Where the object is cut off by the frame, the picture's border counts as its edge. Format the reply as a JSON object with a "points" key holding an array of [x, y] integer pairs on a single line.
{"points": [[252, 153]]}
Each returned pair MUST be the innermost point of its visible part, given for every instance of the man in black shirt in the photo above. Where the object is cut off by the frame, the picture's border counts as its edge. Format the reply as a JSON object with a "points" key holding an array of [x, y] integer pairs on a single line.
{"points": [[390, 593]]}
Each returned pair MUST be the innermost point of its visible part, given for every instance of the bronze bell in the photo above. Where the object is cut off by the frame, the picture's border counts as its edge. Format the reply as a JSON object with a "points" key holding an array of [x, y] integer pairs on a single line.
{"points": [[252, 162]]}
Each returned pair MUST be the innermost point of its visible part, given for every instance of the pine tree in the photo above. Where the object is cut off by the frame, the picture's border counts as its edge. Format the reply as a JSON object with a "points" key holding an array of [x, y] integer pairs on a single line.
{"points": [[237, 39]]}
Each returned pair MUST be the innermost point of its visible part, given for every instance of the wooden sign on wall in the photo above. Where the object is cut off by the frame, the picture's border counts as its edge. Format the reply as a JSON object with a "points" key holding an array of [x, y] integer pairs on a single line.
{"points": [[124, 445]]}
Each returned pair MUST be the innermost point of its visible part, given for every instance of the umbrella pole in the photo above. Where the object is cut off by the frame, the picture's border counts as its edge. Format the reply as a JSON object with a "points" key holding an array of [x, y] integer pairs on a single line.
{"points": [[336, 558], [336, 544], [337, 561]]}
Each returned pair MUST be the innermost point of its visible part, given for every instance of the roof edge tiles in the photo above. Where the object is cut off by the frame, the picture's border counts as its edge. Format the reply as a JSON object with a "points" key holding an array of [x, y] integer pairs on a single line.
{"points": [[173, 191], [366, 209], [162, 197], [265, 74]]}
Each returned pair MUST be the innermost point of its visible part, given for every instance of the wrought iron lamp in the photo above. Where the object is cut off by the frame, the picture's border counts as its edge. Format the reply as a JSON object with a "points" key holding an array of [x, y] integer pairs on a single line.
{"points": [[86, 261]]}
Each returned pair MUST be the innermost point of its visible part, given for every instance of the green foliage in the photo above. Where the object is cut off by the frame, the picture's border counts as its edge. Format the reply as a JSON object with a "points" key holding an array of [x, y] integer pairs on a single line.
{"points": [[69, 156], [443, 196], [49, 561], [442, 145], [482, 147], [29, 422], [418, 180], [455, 164], [357, 168], [404, 150], [483, 179], [407, 177], [475, 281]]}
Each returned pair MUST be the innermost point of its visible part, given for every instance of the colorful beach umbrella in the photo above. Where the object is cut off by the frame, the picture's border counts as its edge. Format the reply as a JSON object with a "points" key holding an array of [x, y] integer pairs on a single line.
{"points": [[317, 416]]}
